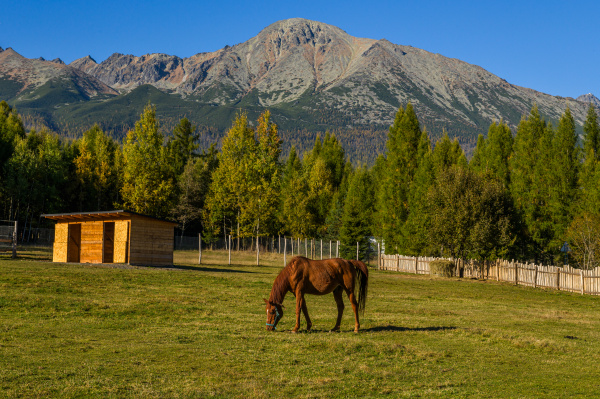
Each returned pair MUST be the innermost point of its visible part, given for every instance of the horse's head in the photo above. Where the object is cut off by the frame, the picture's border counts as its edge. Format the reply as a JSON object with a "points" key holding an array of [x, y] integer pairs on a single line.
{"points": [[274, 314]]}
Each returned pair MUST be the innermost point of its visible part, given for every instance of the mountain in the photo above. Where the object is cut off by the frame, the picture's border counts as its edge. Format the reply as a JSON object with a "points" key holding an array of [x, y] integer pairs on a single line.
{"points": [[41, 84], [312, 76], [590, 98]]}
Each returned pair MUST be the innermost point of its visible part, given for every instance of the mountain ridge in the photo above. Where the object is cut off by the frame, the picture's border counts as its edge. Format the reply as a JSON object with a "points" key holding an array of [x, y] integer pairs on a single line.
{"points": [[313, 76]]}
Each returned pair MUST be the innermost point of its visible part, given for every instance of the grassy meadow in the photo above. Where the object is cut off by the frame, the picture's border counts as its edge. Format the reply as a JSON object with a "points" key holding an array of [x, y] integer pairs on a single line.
{"points": [[198, 331]]}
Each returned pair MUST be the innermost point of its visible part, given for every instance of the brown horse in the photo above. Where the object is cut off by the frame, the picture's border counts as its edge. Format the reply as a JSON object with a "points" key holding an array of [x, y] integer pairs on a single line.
{"points": [[318, 277]]}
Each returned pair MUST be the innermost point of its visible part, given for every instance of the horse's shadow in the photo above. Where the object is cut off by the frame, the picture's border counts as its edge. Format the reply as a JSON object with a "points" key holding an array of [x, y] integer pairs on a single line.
{"points": [[389, 328]]}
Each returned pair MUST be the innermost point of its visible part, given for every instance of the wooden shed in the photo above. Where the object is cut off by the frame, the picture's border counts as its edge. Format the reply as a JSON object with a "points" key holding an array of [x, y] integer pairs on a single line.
{"points": [[112, 237]]}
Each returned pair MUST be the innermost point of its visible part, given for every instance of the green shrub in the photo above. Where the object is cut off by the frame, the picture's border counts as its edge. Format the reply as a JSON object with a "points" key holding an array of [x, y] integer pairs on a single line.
{"points": [[442, 268]]}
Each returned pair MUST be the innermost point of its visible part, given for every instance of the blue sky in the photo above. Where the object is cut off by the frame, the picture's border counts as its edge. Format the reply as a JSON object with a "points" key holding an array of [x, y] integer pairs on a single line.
{"points": [[550, 46]]}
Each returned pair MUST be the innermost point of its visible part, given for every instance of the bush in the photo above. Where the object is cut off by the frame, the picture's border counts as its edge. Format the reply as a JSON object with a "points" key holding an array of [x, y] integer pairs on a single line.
{"points": [[442, 268]]}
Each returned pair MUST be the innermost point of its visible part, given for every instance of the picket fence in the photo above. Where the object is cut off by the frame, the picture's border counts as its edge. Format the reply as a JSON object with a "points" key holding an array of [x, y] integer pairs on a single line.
{"points": [[560, 278]]}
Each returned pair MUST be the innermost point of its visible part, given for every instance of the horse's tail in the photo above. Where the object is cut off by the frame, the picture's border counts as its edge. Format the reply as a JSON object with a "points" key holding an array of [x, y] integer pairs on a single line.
{"points": [[362, 275]]}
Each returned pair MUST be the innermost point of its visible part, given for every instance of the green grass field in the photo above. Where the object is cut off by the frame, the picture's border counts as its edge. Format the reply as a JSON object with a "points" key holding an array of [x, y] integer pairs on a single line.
{"points": [[199, 331]]}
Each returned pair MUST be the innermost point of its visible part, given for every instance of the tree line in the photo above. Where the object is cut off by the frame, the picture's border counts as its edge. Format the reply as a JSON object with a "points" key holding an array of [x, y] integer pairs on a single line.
{"points": [[520, 196]]}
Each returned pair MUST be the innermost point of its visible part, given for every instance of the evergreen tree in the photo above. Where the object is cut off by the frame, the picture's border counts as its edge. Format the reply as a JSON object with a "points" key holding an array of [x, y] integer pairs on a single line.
{"points": [[356, 218], [400, 167], [499, 147], [416, 228], [148, 179], [183, 144], [531, 156], [564, 172], [590, 173]]}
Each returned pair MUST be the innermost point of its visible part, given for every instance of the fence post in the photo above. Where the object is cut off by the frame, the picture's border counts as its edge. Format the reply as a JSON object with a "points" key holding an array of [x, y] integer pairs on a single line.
{"points": [[516, 272], [279, 244], [337, 249], [330, 249], [14, 242], [416, 265], [357, 250], [199, 248], [257, 250], [397, 262], [321, 249], [535, 276], [378, 256], [558, 278], [229, 249], [582, 285]]}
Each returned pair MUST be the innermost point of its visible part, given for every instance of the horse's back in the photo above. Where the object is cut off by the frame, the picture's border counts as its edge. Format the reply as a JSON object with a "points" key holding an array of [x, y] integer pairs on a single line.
{"points": [[320, 276]]}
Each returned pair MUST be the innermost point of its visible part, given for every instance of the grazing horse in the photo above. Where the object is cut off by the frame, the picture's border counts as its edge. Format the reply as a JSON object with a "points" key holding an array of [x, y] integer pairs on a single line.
{"points": [[318, 277]]}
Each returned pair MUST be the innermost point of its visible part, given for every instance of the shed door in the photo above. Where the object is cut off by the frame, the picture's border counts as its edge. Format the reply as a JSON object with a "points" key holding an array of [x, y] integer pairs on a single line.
{"points": [[121, 242], [74, 244], [108, 244]]}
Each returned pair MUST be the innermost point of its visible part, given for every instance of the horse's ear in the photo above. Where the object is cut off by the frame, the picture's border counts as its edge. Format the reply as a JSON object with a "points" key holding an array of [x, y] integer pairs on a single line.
{"points": [[266, 301]]}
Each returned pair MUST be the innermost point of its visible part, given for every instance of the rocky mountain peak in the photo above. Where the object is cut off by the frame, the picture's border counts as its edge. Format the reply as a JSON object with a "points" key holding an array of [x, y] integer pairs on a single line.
{"points": [[590, 98]]}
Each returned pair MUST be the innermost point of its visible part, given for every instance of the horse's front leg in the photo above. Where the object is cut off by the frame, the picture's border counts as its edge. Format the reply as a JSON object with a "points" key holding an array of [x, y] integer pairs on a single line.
{"points": [[299, 307], [339, 300]]}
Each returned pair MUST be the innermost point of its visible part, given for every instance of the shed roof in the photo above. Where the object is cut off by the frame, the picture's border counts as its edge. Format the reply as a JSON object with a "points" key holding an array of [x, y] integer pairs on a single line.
{"points": [[100, 215]]}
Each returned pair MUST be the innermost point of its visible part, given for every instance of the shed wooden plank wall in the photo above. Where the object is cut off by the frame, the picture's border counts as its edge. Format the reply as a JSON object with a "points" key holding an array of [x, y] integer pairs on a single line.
{"points": [[61, 238], [151, 242]]}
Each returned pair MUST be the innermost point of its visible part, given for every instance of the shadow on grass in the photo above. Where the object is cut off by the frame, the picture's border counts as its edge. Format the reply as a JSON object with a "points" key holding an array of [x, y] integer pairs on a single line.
{"points": [[401, 329], [204, 269], [375, 329]]}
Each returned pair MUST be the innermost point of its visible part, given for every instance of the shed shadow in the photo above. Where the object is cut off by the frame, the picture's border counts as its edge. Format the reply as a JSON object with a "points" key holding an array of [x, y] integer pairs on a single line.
{"points": [[204, 269]]}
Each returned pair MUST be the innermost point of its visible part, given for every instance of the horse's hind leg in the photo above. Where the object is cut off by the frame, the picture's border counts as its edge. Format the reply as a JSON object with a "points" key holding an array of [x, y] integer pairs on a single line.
{"points": [[352, 298], [339, 300], [305, 312]]}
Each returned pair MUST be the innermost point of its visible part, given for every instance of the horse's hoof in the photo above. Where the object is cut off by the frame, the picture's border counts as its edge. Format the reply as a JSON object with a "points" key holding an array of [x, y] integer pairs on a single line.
{"points": [[294, 331]]}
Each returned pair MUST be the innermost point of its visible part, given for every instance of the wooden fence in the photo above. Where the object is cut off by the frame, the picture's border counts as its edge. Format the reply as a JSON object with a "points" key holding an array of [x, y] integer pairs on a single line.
{"points": [[561, 278]]}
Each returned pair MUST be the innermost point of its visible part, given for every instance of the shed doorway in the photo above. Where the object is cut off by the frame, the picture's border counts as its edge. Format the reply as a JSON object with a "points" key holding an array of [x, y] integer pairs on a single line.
{"points": [[74, 243], [108, 244]]}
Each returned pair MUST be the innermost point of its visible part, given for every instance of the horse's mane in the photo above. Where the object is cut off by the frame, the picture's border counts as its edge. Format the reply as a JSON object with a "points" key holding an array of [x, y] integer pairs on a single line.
{"points": [[282, 283]]}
